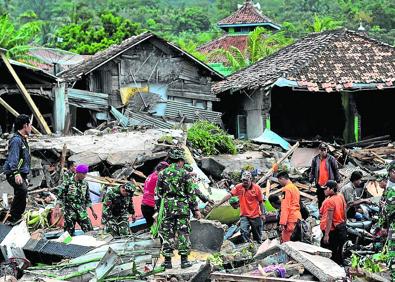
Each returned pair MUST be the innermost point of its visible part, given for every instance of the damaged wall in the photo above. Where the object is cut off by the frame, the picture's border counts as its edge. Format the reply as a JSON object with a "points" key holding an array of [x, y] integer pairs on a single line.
{"points": [[149, 74]]}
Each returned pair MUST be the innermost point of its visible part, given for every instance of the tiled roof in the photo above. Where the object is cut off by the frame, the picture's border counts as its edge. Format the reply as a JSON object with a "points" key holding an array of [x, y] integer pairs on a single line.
{"points": [[330, 61], [102, 57], [224, 42], [246, 14]]}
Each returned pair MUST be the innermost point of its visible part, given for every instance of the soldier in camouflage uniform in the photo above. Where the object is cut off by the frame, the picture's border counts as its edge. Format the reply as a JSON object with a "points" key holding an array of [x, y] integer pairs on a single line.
{"points": [[69, 173], [117, 204], [198, 193], [388, 219], [73, 195], [178, 191]]}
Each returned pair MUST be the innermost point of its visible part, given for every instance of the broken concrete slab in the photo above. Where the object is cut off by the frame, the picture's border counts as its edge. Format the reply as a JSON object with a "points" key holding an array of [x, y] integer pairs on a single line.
{"points": [[307, 248], [92, 149], [268, 248], [212, 167], [207, 235], [321, 267]]}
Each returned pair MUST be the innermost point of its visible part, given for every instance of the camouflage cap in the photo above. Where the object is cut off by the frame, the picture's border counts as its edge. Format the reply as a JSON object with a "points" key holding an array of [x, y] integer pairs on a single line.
{"points": [[176, 154], [129, 187], [246, 175]]}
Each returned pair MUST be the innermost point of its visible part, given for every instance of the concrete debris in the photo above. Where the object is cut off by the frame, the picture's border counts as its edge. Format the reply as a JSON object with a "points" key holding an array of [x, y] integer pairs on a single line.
{"points": [[321, 267], [207, 235]]}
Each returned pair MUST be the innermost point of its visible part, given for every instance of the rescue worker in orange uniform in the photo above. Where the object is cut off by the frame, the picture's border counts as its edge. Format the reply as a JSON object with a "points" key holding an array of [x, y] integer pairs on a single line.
{"points": [[290, 206]]}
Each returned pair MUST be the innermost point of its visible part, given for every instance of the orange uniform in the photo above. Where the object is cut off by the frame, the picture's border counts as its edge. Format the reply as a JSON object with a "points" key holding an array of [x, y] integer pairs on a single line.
{"points": [[338, 204], [249, 200], [290, 210]]}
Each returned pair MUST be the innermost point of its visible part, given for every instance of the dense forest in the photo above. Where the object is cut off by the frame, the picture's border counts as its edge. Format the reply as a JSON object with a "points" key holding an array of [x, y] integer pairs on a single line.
{"points": [[87, 26]]}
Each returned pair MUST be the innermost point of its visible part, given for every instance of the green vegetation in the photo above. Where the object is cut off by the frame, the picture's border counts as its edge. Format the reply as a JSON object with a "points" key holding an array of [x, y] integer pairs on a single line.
{"points": [[89, 26], [211, 139]]}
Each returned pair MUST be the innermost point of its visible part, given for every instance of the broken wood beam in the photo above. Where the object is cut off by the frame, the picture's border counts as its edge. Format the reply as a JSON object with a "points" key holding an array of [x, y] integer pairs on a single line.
{"points": [[366, 142], [26, 95], [62, 161], [270, 172], [15, 113]]}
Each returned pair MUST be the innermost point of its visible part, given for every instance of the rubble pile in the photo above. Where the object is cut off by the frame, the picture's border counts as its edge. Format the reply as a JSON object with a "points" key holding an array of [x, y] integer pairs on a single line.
{"points": [[116, 155]]}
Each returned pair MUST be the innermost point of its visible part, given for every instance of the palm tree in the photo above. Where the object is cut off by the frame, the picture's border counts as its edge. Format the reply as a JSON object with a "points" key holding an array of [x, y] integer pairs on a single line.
{"points": [[16, 40], [323, 23], [260, 44]]}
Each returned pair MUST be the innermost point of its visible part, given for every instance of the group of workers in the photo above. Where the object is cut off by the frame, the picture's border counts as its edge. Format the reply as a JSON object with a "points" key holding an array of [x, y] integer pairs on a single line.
{"points": [[172, 185]]}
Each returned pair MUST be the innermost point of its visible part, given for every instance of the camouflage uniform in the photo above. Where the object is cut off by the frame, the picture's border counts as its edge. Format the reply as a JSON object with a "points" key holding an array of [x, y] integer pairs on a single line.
{"points": [[387, 220], [75, 199], [198, 193], [116, 208], [176, 187], [67, 176]]}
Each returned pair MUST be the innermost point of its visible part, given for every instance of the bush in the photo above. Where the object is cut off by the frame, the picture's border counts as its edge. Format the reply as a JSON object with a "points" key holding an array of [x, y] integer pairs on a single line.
{"points": [[211, 139]]}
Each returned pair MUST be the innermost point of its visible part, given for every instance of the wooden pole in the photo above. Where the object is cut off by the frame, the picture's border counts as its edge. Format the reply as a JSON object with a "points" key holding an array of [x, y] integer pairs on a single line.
{"points": [[15, 113], [26, 96], [270, 172]]}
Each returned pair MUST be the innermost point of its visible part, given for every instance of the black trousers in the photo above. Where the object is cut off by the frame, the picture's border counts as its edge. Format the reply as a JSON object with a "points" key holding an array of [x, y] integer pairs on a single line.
{"points": [[19, 202], [337, 238], [320, 195], [148, 212]]}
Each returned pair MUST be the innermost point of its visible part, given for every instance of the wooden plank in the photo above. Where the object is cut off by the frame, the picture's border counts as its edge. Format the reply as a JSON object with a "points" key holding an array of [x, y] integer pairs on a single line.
{"points": [[219, 276], [270, 172], [27, 96], [306, 187], [15, 113], [189, 94]]}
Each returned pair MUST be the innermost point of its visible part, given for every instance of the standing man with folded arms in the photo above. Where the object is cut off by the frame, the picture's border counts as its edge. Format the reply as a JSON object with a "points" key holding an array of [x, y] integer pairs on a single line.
{"points": [[17, 166]]}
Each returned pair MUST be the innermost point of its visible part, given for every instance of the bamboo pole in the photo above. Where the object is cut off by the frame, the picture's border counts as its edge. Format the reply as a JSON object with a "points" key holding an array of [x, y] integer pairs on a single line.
{"points": [[26, 96], [270, 172]]}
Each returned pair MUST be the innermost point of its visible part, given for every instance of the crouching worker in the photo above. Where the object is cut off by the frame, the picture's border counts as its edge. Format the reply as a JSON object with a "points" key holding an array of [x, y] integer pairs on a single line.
{"points": [[252, 210], [117, 205], [73, 195], [333, 221]]}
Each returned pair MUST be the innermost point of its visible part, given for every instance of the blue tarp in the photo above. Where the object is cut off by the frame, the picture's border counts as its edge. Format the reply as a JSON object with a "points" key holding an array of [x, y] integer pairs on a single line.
{"points": [[270, 137]]}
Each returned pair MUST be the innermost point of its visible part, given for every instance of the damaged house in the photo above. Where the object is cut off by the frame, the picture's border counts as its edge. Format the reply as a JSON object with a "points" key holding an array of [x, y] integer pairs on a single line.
{"points": [[335, 84], [25, 89], [153, 81]]}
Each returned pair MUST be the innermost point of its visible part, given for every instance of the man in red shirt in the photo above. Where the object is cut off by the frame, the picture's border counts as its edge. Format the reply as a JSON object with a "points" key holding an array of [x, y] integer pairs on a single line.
{"points": [[290, 207], [333, 221], [323, 168], [252, 210]]}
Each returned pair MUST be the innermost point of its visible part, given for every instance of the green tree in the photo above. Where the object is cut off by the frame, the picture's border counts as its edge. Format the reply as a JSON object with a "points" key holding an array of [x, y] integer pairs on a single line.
{"points": [[323, 23], [260, 44], [17, 39], [88, 37]]}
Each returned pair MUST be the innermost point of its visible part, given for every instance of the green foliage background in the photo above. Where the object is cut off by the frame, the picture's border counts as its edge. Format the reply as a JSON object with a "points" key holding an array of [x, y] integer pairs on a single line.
{"points": [[86, 26]]}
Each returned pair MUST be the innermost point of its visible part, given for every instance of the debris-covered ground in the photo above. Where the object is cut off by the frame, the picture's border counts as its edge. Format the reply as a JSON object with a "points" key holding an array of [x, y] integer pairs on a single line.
{"points": [[35, 250]]}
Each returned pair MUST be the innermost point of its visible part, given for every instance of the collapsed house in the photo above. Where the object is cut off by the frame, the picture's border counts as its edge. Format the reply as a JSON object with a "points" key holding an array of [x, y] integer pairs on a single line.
{"points": [[327, 84], [25, 89], [144, 74], [236, 27]]}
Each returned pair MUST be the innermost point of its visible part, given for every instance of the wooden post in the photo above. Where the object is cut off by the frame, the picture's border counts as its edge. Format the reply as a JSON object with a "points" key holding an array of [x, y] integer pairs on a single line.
{"points": [[27, 96], [270, 172], [15, 113]]}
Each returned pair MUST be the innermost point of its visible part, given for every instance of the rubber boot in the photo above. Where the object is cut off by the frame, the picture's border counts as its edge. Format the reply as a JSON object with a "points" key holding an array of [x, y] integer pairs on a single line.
{"points": [[167, 263], [184, 262]]}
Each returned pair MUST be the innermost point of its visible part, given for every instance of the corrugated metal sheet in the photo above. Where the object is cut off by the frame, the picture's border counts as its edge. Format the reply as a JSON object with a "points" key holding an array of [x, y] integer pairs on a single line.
{"points": [[176, 109], [87, 99], [146, 119]]}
